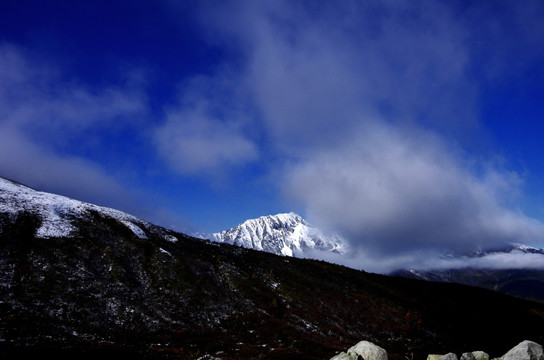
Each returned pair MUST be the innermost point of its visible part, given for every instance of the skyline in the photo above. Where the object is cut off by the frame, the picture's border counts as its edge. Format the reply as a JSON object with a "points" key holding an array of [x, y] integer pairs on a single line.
{"points": [[405, 127]]}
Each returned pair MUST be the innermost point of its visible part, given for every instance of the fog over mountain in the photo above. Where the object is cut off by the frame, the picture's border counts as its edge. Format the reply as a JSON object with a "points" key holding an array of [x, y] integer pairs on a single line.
{"points": [[291, 235]]}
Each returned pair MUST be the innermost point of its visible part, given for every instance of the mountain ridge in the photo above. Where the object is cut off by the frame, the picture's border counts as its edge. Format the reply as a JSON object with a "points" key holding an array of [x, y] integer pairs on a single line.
{"points": [[285, 234], [526, 282], [105, 290], [56, 211]]}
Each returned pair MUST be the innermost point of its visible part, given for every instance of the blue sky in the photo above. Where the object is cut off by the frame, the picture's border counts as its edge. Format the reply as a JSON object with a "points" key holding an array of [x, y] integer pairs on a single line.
{"points": [[403, 125]]}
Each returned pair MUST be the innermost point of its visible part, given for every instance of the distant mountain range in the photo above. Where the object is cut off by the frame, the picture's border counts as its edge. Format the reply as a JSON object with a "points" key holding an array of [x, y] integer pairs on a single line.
{"points": [[290, 235], [520, 282], [513, 248], [282, 234]]}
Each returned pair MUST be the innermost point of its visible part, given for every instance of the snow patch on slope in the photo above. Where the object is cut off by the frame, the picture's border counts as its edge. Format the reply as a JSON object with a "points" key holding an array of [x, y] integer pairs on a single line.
{"points": [[55, 211], [135, 229], [170, 238]]}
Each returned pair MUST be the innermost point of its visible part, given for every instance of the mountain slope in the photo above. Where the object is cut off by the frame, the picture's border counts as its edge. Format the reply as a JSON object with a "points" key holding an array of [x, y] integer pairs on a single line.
{"points": [[103, 289], [281, 234], [57, 213]]}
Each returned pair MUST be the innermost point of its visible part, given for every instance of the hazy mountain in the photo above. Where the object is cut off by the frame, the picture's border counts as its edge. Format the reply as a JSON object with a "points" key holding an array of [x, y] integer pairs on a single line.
{"points": [[83, 281], [527, 283], [507, 249], [281, 234]]}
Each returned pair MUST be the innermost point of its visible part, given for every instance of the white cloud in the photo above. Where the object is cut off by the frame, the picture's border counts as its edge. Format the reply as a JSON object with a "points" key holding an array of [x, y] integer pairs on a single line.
{"points": [[41, 111], [316, 72], [393, 191], [37, 99], [194, 143], [38, 167], [207, 132], [423, 259], [360, 97]]}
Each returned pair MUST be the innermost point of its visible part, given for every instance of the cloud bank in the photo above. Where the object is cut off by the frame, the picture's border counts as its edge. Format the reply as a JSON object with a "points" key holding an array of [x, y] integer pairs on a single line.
{"points": [[421, 259], [371, 105], [394, 191]]}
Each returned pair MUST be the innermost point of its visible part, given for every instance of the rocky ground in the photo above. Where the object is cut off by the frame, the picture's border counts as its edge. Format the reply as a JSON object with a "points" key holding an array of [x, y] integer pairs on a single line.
{"points": [[525, 350]]}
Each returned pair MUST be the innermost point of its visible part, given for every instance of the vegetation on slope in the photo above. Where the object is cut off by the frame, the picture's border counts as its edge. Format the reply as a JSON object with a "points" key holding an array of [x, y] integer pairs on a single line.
{"points": [[105, 292]]}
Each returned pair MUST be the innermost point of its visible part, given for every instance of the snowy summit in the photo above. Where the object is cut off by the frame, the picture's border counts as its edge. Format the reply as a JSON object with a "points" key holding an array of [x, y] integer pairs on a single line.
{"points": [[282, 234]]}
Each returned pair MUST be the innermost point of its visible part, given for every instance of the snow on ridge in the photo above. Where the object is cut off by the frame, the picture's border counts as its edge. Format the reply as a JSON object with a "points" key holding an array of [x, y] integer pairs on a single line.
{"points": [[525, 248], [285, 234], [55, 211], [135, 229]]}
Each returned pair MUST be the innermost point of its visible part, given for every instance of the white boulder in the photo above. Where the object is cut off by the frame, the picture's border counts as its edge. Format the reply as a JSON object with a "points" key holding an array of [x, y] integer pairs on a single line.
{"points": [[525, 350], [480, 355], [368, 351], [343, 356], [448, 356]]}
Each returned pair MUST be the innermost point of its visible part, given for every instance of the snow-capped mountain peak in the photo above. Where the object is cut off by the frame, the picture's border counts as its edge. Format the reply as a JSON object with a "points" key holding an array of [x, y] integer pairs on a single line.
{"points": [[283, 234], [507, 249], [527, 249]]}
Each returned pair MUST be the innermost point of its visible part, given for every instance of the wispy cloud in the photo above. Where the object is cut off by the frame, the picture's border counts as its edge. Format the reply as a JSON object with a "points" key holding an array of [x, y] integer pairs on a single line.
{"points": [[206, 132], [43, 169], [40, 112], [316, 72], [37, 97], [422, 259]]}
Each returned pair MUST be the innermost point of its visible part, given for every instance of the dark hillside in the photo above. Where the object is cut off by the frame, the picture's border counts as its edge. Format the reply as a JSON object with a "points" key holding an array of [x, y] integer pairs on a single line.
{"points": [[106, 292]]}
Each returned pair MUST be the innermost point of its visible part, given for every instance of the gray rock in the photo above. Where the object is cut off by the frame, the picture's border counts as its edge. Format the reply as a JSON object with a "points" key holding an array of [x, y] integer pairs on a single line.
{"points": [[525, 350], [480, 355], [468, 356], [344, 356], [448, 356], [368, 351]]}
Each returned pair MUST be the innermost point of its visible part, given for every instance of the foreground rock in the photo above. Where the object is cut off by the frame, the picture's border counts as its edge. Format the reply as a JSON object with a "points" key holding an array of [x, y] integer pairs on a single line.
{"points": [[364, 349], [448, 356], [525, 350], [475, 355], [480, 355]]}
